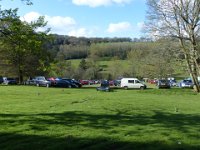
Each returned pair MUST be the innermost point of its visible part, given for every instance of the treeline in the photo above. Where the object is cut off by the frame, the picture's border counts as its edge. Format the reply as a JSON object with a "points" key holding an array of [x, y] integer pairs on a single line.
{"points": [[68, 47], [143, 58]]}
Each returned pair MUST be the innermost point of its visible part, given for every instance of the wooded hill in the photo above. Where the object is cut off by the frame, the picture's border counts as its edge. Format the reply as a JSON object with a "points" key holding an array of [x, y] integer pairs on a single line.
{"points": [[108, 58], [113, 57]]}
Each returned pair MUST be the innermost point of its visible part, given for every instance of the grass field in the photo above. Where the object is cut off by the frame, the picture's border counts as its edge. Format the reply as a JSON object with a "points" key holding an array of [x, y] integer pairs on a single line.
{"points": [[37, 118], [107, 63]]}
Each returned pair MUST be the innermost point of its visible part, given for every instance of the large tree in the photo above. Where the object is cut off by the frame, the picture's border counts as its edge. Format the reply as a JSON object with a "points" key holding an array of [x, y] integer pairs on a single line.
{"points": [[27, 2], [178, 19], [21, 46]]}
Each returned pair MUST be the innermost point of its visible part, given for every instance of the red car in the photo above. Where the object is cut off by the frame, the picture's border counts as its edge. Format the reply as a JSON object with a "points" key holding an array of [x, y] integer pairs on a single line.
{"points": [[111, 83], [84, 82], [153, 81], [52, 80]]}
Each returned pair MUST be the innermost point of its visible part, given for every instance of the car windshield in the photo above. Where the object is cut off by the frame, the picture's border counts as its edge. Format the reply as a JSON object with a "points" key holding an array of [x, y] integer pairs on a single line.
{"points": [[187, 81], [105, 83], [40, 78], [10, 79], [163, 81]]}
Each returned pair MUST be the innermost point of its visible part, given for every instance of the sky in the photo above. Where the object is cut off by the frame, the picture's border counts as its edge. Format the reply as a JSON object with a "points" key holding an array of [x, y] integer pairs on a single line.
{"points": [[86, 18]]}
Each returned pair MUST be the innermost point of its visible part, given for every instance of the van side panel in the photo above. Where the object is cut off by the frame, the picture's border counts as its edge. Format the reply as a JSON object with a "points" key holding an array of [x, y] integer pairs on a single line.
{"points": [[124, 82], [131, 83]]}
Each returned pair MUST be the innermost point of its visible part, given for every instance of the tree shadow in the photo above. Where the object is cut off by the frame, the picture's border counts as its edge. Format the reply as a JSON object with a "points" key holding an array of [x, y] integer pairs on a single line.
{"points": [[15, 141], [117, 118]]}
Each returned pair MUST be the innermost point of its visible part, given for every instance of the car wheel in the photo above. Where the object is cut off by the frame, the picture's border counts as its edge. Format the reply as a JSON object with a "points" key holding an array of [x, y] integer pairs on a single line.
{"points": [[126, 87], [107, 90], [142, 88]]}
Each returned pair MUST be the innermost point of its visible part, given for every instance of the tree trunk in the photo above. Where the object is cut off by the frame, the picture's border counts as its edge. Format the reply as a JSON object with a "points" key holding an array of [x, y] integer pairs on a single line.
{"points": [[20, 75], [193, 73]]}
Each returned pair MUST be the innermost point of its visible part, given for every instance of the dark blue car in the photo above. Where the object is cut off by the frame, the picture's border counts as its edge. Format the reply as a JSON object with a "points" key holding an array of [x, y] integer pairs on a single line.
{"points": [[62, 84], [186, 84], [104, 86]]}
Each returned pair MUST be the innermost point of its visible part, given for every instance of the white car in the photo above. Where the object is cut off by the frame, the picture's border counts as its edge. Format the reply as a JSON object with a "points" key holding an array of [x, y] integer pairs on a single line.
{"points": [[127, 83]]}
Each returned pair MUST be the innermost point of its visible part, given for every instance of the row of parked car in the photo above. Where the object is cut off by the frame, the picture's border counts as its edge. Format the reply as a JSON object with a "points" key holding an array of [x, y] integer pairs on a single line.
{"points": [[167, 83], [92, 82], [123, 83], [54, 82]]}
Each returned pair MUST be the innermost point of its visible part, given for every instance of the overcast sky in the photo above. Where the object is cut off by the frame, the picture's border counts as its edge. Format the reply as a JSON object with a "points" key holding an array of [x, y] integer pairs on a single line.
{"points": [[89, 18]]}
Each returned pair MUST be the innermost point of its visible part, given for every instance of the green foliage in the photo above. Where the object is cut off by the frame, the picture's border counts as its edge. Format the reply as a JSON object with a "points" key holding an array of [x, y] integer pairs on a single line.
{"points": [[119, 49], [51, 118], [21, 46], [155, 59], [62, 69], [83, 65], [73, 51]]}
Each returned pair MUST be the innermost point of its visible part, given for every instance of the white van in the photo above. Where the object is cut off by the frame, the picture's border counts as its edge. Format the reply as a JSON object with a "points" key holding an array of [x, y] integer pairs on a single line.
{"points": [[127, 83]]}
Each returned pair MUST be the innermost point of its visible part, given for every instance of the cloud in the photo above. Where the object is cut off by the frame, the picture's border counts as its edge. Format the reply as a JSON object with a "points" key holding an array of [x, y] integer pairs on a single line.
{"points": [[64, 25], [97, 3], [80, 32], [119, 27], [140, 25], [30, 17], [59, 25], [59, 22]]}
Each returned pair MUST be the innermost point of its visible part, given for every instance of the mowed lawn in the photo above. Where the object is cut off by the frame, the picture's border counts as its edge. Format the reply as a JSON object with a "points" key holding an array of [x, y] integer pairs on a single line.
{"points": [[39, 118]]}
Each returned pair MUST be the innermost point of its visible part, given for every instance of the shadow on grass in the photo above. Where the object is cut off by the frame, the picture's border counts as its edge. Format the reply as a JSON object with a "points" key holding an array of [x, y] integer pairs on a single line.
{"points": [[180, 122], [12, 141], [40, 122]]}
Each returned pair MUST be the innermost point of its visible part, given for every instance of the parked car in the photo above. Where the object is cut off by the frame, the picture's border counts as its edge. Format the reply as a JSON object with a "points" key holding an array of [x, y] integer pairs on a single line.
{"points": [[8, 81], [1, 79], [127, 83], [152, 81], [52, 80], [84, 82], [41, 81], [73, 83], [186, 83], [117, 82], [172, 83], [29, 81], [111, 83], [62, 84], [163, 84], [104, 86]]}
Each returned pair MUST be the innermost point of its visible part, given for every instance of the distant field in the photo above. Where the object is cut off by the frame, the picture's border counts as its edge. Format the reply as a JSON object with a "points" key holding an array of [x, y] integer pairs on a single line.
{"points": [[107, 63], [39, 118], [103, 63]]}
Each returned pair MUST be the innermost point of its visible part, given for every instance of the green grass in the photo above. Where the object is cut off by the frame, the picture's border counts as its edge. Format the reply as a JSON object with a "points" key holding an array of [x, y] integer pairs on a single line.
{"points": [[52, 118], [107, 63], [102, 63]]}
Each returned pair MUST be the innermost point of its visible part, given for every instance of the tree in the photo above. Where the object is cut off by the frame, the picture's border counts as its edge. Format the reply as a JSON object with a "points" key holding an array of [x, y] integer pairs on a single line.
{"points": [[178, 19], [21, 43], [83, 65], [62, 69], [27, 2]]}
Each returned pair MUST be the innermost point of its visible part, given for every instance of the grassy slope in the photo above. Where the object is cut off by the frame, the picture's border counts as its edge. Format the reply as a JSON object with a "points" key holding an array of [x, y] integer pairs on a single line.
{"points": [[180, 71], [48, 118]]}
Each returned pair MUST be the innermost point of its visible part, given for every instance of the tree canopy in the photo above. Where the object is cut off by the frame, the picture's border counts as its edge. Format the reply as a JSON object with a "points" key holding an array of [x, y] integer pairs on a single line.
{"points": [[178, 19], [21, 45]]}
